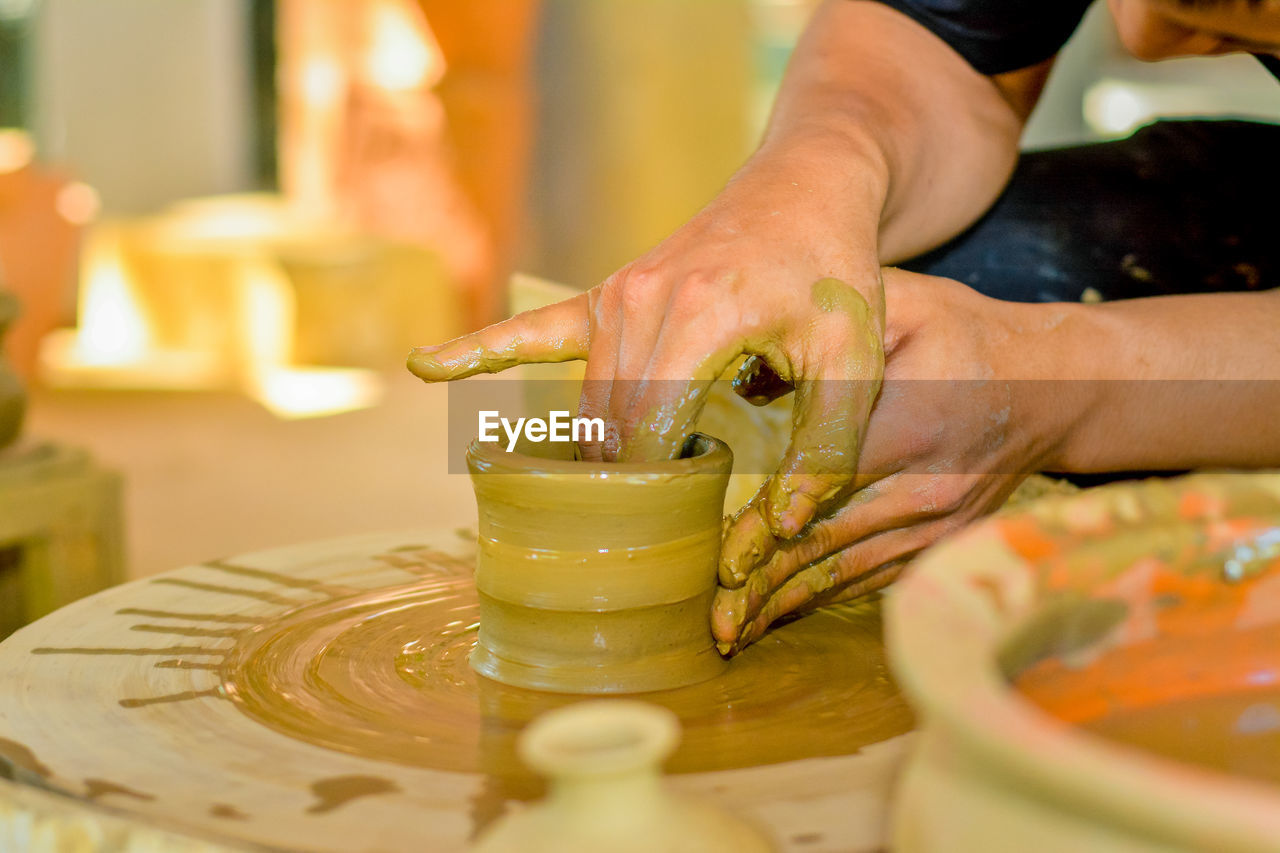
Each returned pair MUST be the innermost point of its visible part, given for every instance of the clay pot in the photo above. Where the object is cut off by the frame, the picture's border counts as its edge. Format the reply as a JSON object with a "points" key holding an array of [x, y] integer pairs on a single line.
{"points": [[1023, 641], [606, 793], [598, 578]]}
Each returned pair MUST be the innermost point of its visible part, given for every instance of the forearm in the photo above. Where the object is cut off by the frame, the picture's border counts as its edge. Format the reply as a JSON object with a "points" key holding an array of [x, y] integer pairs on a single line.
{"points": [[1164, 383], [892, 117]]}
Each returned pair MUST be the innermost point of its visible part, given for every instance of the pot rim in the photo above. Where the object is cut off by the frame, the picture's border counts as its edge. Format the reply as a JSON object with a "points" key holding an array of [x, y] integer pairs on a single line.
{"points": [[714, 457], [944, 630]]}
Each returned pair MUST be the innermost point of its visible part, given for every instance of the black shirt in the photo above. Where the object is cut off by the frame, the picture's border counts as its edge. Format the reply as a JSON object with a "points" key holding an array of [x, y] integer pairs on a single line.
{"points": [[995, 36]]}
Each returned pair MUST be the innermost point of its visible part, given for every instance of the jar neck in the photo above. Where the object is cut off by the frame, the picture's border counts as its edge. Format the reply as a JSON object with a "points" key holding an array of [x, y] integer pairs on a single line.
{"points": [[629, 793]]}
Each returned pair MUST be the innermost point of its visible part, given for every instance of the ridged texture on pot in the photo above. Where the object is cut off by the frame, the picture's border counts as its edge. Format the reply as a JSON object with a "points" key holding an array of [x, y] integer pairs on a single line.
{"points": [[597, 578]]}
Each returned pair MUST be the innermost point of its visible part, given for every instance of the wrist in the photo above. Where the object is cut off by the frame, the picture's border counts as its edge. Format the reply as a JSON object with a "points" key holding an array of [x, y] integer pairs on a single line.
{"points": [[1061, 352], [842, 172]]}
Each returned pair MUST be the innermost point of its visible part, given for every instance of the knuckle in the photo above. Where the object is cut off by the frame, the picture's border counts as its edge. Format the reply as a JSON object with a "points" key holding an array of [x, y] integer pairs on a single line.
{"points": [[636, 287], [823, 539], [695, 292]]}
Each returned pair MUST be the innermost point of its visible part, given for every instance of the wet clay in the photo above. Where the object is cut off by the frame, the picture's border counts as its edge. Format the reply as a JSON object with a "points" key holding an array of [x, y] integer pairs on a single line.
{"points": [[385, 675], [1236, 733], [1175, 653], [598, 577], [1070, 648]]}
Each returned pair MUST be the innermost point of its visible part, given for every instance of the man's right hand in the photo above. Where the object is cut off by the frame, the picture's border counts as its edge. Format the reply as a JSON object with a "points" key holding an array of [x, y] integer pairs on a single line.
{"points": [[781, 266]]}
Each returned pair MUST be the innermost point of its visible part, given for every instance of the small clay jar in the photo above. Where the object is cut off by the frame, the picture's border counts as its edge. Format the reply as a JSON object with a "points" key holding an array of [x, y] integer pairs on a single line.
{"points": [[602, 760], [598, 577]]}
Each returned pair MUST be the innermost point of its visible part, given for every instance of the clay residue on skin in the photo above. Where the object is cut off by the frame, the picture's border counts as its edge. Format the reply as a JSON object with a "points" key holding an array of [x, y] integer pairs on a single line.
{"points": [[825, 443], [337, 791]]}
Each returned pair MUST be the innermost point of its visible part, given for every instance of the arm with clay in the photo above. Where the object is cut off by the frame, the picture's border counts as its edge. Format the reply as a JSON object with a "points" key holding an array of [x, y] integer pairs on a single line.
{"points": [[979, 393], [883, 142]]}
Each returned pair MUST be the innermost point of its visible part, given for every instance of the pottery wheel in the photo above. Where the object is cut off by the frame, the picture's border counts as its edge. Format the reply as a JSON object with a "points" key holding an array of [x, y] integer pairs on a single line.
{"points": [[318, 697]]}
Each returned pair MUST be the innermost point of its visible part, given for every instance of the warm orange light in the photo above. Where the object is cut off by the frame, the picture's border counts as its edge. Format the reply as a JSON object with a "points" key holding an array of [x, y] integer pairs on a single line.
{"points": [[286, 391], [309, 392], [113, 329], [16, 150], [78, 203], [403, 54], [321, 79]]}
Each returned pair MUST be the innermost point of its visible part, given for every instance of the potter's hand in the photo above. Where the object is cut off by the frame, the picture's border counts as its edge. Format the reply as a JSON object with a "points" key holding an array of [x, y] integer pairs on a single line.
{"points": [[947, 442], [761, 271]]}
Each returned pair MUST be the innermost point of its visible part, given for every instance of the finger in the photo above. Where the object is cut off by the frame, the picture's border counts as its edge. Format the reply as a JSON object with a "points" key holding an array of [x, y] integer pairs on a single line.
{"points": [[758, 383], [872, 582], [553, 333], [888, 504], [666, 404], [830, 414], [747, 541], [643, 300], [884, 506], [798, 597], [605, 313], [855, 568]]}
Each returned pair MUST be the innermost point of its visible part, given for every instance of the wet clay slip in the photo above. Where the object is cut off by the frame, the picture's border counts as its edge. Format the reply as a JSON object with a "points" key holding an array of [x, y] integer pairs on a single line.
{"points": [[598, 577], [1098, 672]]}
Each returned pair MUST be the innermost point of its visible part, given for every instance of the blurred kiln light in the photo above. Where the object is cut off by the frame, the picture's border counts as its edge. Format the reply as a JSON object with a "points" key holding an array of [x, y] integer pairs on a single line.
{"points": [[78, 203], [403, 54], [307, 392], [116, 345], [292, 392], [113, 346], [16, 150], [321, 81], [113, 330]]}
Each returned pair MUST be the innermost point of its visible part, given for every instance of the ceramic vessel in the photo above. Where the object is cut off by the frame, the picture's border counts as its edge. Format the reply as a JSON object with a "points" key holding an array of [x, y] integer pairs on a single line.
{"points": [[1021, 637], [602, 759], [598, 578]]}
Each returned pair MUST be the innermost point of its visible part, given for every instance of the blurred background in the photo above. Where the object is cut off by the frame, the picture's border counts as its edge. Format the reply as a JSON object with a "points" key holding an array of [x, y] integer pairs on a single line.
{"points": [[226, 221]]}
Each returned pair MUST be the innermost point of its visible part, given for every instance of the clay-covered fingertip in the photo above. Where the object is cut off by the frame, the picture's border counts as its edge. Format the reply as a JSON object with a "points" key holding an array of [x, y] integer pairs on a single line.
{"points": [[784, 525], [788, 513], [424, 364], [426, 372]]}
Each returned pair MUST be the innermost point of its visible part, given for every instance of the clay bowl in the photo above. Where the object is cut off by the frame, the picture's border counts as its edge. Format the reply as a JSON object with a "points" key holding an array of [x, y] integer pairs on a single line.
{"points": [[1022, 638], [598, 577]]}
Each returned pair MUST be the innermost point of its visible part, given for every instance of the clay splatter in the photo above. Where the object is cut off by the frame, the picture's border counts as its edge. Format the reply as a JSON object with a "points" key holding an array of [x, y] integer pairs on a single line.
{"points": [[18, 755], [95, 789], [337, 791]]}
